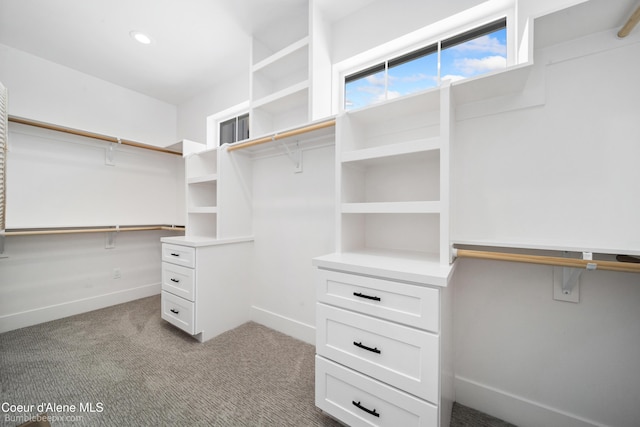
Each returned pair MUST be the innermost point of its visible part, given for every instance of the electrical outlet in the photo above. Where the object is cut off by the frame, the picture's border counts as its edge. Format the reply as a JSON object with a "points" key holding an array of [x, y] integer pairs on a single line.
{"points": [[117, 273]]}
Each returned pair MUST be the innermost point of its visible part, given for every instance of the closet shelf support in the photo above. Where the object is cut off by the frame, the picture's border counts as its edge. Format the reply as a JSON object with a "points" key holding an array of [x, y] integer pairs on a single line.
{"points": [[571, 275], [295, 156]]}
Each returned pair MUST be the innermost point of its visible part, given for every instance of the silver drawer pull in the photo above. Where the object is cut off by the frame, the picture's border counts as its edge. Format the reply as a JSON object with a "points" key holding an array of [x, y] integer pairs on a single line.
{"points": [[175, 280], [361, 295], [174, 311], [368, 411], [373, 350]]}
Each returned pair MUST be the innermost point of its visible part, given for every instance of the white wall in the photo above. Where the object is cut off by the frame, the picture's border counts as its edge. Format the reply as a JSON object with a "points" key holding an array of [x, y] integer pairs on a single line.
{"points": [[376, 23], [192, 114], [48, 92], [48, 277], [519, 354], [293, 221], [534, 361]]}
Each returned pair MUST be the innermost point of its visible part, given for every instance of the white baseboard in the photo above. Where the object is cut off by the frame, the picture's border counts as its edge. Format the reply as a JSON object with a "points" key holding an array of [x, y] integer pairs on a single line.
{"points": [[288, 326], [23, 319], [514, 409]]}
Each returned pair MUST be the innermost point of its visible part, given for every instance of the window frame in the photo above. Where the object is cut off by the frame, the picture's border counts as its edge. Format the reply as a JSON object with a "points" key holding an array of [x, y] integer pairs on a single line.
{"points": [[216, 120], [434, 44]]}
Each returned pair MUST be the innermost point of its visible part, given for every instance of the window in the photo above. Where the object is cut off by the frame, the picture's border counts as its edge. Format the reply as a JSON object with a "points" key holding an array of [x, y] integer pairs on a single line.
{"points": [[475, 52], [234, 129]]}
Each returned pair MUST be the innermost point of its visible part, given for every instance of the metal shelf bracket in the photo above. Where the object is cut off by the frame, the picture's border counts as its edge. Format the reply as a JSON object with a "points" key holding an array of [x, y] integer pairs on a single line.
{"points": [[295, 156]]}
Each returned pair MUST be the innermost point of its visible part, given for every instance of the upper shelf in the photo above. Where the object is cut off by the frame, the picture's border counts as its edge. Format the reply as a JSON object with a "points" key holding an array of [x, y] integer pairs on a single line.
{"points": [[492, 85], [428, 100], [285, 99], [408, 147], [284, 60]]}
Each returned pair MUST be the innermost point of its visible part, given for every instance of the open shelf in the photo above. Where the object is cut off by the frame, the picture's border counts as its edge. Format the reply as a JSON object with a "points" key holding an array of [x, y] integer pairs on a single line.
{"points": [[202, 165], [392, 207], [202, 178], [499, 83], [285, 99], [285, 109], [407, 147], [285, 59], [401, 178], [416, 232], [407, 122], [201, 224]]}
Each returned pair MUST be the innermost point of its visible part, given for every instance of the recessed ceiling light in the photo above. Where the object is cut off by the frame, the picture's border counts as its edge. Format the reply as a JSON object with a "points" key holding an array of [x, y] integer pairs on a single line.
{"points": [[140, 37]]}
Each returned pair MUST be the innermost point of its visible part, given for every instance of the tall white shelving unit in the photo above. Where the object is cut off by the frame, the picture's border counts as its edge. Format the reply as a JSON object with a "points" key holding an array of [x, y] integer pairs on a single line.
{"points": [[383, 316], [290, 83], [392, 165], [279, 87]]}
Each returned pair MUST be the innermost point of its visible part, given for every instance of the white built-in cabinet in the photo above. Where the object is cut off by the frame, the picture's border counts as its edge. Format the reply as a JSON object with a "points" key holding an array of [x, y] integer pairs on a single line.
{"points": [[204, 281], [383, 316]]}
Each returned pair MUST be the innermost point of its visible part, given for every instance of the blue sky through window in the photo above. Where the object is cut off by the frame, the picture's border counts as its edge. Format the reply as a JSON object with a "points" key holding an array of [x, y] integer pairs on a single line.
{"points": [[474, 57]]}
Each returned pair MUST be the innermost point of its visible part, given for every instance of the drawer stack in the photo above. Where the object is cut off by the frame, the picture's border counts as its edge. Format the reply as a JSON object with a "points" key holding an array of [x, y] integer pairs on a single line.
{"points": [[378, 350], [179, 286]]}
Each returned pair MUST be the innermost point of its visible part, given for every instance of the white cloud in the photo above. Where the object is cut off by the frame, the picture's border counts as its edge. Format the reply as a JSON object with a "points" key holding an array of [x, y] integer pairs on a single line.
{"points": [[416, 78], [393, 94], [376, 79], [471, 66], [452, 77], [484, 44]]}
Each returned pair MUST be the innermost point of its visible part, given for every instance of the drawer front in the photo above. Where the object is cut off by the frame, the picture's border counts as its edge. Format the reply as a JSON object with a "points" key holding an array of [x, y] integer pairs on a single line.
{"points": [[180, 255], [358, 400], [400, 356], [178, 280], [412, 305], [179, 312]]}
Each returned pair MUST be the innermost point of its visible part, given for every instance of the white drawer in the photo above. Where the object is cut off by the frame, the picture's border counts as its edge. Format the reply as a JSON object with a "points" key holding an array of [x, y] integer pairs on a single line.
{"points": [[180, 255], [413, 305], [179, 312], [178, 280], [398, 355], [358, 400]]}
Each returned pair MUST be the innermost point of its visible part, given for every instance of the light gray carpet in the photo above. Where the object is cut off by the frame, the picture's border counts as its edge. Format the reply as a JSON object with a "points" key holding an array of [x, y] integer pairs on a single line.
{"points": [[142, 371]]}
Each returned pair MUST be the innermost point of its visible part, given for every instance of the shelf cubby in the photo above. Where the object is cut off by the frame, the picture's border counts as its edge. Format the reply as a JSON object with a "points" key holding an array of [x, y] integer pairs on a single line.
{"points": [[202, 194], [417, 233], [411, 120], [201, 224], [202, 165], [399, 178]]}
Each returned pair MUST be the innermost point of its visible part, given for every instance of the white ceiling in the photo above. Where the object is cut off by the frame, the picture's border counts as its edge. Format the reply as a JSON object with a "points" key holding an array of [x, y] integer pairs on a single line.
{"points": [[196, 43], [199, 43]]}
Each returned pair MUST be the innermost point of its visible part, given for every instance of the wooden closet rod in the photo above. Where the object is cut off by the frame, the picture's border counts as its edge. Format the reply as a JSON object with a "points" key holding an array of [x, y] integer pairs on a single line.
{"points": [[98, 136], [630, 24], [89, 230], [549, 260], [286, 134]]}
